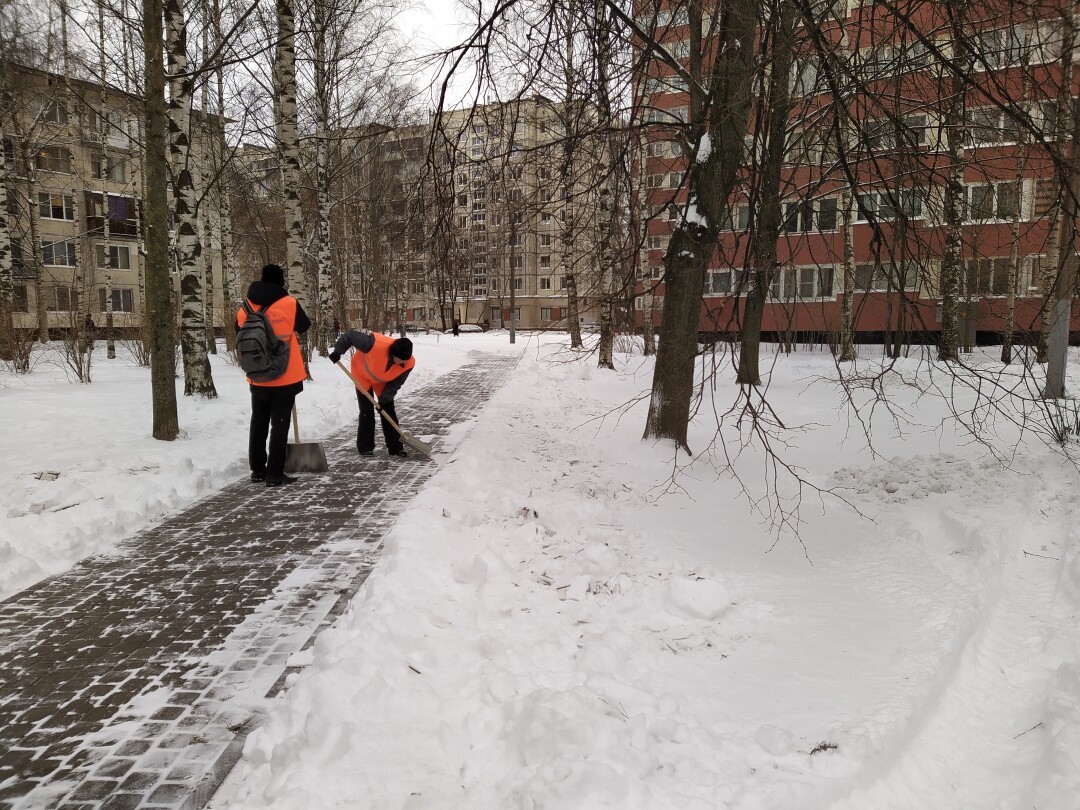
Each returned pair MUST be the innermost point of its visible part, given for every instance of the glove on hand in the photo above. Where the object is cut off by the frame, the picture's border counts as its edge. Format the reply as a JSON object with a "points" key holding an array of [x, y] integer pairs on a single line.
{"points": [[334, 357]]}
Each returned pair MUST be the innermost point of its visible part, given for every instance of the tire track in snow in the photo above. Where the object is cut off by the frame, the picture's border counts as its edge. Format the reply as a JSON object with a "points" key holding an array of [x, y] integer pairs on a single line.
{"points": [[975, 740]]}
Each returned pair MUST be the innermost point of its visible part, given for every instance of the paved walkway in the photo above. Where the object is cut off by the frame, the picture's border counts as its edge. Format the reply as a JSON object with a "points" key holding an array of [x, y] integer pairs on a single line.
{"points": [[122, 681]]}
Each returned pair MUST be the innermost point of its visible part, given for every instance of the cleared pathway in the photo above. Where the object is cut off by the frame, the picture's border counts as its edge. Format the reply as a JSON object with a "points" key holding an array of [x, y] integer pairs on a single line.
{"points": [[123, 681]]}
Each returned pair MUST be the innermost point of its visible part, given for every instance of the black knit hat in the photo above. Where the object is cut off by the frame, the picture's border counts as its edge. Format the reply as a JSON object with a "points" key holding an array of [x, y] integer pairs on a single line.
{"points": [[401, 349], [274, 274]]}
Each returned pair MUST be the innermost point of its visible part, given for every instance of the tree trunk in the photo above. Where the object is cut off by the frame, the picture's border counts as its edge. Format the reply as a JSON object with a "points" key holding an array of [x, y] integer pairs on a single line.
{"points": [[846, 349], [230, 292], [716, 158], [103, 134], [953, 204], [159, 314], [325, 337], [767, 225], [673, 375], [34, 254], [289, 148], [1059, 300], [198, 379], [7, 287]]}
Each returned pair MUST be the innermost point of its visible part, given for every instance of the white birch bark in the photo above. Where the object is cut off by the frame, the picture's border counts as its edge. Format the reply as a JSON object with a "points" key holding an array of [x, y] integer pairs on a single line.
{"points": [[229, 281], [325, 315], [199, 178], [289, 149], [197, 376]]}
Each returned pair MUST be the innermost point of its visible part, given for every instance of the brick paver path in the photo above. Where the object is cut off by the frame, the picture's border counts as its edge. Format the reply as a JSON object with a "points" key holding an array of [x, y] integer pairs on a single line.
{"points": [[116, 677]]}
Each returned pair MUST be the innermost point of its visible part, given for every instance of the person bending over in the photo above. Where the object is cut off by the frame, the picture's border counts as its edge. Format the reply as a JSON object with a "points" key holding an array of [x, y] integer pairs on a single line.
{"points": [[380, 365]]}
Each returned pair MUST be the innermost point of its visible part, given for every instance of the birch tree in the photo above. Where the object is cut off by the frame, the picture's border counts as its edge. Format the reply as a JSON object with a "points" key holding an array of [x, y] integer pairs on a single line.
{"points": [[198, 379], [103, 137], [159, 311], [288, 145]]}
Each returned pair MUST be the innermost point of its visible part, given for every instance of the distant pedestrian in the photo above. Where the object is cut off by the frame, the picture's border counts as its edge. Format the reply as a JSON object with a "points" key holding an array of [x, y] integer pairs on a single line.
{"points": [[457, 325], [272, 401], [380, 364], [89, 335]]}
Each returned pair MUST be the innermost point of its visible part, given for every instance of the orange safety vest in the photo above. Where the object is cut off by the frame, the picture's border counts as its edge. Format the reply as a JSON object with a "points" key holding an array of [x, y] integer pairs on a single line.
{"points": [[282, 316], [370, 368]]}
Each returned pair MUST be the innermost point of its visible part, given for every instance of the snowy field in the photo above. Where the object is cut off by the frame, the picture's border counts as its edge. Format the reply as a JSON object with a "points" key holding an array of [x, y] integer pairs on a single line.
{"points": [[568, 617]]}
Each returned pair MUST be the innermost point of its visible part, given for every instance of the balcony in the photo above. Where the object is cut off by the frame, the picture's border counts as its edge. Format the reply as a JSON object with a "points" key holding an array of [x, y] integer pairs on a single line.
{"points": [[117, 227]]}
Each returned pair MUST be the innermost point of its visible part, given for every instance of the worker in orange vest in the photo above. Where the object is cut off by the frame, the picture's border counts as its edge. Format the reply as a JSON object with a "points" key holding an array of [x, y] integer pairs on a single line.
{"points": [[272, 401], [380, 364]]}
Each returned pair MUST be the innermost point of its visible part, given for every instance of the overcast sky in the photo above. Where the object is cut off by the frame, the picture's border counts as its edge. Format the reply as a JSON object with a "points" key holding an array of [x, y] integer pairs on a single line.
{"points": [[430, 26]]}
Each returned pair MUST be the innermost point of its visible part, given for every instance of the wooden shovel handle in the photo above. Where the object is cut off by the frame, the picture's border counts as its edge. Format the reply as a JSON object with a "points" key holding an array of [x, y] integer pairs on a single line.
{"points": [[371, 399], [295, 426]]}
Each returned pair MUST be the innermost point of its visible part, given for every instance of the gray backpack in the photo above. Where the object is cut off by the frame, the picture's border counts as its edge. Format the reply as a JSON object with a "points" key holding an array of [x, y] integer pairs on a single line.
{"points": [[261, 354]]}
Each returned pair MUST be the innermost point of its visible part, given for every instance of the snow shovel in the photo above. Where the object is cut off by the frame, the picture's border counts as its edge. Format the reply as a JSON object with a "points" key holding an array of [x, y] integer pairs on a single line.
{"points": [[304, 457], [416, 444]]}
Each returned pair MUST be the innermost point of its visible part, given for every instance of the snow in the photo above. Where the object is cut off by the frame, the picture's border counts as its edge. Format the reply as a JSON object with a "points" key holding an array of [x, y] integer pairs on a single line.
{"points": [[570, 617]]}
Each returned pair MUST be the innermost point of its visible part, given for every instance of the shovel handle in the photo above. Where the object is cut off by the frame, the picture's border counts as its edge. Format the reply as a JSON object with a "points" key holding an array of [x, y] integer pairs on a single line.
{"points": [[371, 399], [295, 426]]}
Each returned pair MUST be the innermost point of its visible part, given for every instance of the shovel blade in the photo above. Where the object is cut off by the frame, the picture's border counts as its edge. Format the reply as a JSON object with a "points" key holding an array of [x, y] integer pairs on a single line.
{"points": [[416, 444], [305, 457]]}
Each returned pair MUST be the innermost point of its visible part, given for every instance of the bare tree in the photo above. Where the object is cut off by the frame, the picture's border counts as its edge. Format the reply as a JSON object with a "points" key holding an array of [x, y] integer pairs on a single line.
{"points": [[198, 379], [159, 312]]}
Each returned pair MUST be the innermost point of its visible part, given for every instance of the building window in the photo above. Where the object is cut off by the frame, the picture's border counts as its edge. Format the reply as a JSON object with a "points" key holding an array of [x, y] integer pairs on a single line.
{"points": [[51, 111], [986, 125], [519, 264], [108, 168], [545, 283], [826, 214], [123, 300], [883, 204], [493, 284], [1001, 48], [993, 201], [55, 206], [545, 240], [722, 281], [119, 257], [545, 216], [52, 159], [987, 276], [562, 282], [545, 261], [798, 217], [19, 300], [59, 254], [879, 278], [803, 77], [545, 313], [815, 282], [674, 179], [61, 299], [519, 283]]}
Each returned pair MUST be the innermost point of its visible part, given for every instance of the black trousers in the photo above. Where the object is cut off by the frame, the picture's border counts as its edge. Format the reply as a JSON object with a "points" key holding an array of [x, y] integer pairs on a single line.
{"points": [[365, 431], [271, 407]]}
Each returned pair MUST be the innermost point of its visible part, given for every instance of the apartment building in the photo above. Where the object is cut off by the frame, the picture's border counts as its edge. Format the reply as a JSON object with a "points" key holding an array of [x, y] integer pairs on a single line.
{"points": [[489, 225], [863, 184], [74, 201]]}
